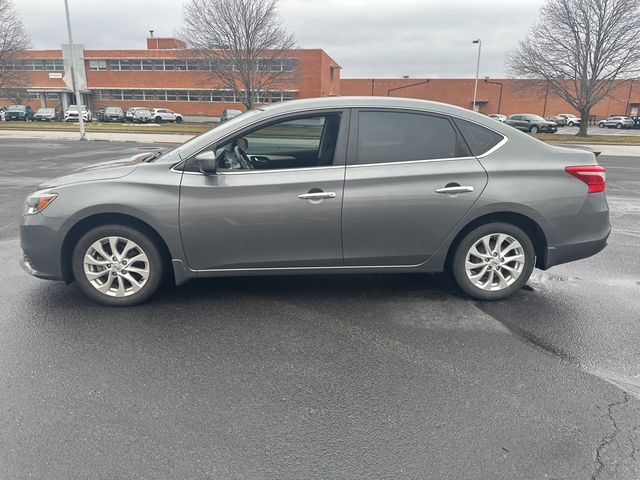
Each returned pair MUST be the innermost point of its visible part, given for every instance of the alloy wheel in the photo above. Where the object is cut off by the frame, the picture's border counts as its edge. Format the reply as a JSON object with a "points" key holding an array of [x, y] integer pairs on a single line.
{"points": [[494, 262], [116, 266]]}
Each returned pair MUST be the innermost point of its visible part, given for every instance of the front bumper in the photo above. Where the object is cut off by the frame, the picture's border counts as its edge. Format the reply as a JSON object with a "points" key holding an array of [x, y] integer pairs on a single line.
{"points": [[41, 250]]}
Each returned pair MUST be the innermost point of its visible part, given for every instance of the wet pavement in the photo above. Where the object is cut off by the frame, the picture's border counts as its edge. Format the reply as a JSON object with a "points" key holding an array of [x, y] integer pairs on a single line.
{"points": [[380, 376]]}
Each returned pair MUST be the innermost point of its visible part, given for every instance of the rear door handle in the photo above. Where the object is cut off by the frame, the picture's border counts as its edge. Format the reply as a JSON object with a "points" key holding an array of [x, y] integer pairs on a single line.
{"points": [[317, 195], [454, 189]]}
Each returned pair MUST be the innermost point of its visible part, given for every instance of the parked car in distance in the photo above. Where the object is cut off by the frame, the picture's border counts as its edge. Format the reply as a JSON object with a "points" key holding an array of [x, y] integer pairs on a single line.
{"points": [[165, 115], [228, 114], [328, 185], [497, 116], [99, 115], [142, 115], [2, 110], [113, 114], [128, 116], [46, 114], [616, 121], [560, 121], [18, 112], [531, 123], [71, 115], [572, 120]]}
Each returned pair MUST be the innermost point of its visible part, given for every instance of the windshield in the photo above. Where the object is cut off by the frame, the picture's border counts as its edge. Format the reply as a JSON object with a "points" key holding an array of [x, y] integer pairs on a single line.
{"points": [[16, 108], [46, 110], [220, 129], [113, 110], [536, 118], [75, 107]]}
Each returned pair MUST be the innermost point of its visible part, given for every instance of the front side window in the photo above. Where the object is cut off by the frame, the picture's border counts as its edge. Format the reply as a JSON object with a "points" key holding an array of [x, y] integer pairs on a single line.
{"points": [[385, 137], [296, 143]]}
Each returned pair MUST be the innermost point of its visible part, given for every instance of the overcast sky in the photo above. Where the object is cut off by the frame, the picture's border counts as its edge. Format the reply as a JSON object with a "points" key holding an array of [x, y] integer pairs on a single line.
{"points": [[368, 38]]}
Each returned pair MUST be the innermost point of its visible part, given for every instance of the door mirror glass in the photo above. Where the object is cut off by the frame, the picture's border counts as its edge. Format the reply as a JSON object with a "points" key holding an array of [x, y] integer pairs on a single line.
{"points": [[207, 162]]}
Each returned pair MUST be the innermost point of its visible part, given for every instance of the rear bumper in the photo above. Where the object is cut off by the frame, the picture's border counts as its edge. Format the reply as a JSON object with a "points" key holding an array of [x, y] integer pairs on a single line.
{"points": [[569, 253]]}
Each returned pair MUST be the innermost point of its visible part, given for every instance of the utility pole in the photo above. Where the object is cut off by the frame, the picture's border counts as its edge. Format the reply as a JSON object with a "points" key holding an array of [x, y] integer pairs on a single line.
{"points": [[76, 92], [475, 88]]}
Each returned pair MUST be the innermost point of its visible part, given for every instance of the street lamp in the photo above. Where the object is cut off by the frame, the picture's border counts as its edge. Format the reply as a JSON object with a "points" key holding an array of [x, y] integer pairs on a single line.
{"points": [[74, 84], [475, 88], [486, 80]]}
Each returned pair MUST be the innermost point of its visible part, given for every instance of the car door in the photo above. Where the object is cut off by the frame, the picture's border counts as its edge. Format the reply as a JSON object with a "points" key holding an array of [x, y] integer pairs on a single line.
{"points": [[279, 214], [410, 179]]}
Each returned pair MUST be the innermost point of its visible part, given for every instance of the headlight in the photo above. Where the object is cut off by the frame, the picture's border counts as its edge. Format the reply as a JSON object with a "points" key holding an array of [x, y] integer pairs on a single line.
{"points": [[38, 201]]}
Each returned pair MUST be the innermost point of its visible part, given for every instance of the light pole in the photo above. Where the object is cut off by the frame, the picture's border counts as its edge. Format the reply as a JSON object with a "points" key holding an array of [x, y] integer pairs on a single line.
{"points": [[76, 92], [475, 88]]}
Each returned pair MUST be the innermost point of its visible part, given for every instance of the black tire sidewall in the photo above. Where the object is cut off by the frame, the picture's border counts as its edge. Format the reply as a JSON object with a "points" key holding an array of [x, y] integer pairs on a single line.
{"points": [[457, 267], [156, 266], [534, 129]]}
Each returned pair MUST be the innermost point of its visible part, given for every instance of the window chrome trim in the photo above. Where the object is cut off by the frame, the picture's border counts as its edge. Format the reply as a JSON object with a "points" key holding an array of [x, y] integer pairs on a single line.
{"points": [[408, 162], [275, 170], [498, 145]]}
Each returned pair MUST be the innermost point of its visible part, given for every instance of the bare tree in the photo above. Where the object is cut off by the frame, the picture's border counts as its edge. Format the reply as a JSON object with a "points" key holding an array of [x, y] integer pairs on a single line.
{"points": [[17, 95], [581, 50], [243, 43], [13, 41]]}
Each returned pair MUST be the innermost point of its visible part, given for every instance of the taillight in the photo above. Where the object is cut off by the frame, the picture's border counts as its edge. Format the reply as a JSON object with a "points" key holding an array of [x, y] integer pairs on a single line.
{"points": [[593, 175]]}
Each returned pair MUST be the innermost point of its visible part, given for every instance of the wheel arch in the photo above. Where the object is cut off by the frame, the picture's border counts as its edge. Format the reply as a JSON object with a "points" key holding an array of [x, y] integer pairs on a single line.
{"points": [[83, 226], [530, 227]]}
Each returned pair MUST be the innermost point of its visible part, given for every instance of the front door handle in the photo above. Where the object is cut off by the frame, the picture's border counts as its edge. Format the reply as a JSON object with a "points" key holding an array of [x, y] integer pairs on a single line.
{"points": [[317, 195], [455, 189]]}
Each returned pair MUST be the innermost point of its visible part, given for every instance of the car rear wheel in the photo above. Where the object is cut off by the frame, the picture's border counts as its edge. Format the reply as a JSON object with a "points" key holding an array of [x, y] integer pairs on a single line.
{"points": [[601, 125], [534, 129], [571, 124], [117, 265], [618, 126], [158, 119], [493, 261], [178, 119]]}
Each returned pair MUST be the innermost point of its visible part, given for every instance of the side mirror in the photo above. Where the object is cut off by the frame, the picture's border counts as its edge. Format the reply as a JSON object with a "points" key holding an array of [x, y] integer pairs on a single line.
{"points": [[206, 162]]}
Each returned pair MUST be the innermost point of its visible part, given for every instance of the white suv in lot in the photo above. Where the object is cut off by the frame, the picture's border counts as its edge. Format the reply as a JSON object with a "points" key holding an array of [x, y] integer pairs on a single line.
{"points": [[160, 115], [71, 115], [572, 120]]}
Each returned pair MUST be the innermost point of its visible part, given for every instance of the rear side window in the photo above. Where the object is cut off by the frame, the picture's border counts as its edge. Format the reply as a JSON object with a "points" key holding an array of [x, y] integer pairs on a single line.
{"points": [[399, 137], [479, 139]]}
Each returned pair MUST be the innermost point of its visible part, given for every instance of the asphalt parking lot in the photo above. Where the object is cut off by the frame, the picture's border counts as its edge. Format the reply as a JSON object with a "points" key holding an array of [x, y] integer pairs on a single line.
{"points": [[381, 376]]}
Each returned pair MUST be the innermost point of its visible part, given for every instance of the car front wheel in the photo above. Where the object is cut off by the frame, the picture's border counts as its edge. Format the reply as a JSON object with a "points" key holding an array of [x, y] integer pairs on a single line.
{"points": [[601, 125], [117, 265], [618, 126], [178, 119], [534, 129], [493, 261]]}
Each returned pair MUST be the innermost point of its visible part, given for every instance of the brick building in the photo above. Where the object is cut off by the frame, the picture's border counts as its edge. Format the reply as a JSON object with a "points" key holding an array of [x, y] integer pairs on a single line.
{"points": [[506, 96], [165, 75]]}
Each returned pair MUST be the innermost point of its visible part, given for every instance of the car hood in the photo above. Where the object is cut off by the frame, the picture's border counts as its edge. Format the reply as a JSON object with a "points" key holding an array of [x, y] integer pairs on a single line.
{"points": [[99, 171]]}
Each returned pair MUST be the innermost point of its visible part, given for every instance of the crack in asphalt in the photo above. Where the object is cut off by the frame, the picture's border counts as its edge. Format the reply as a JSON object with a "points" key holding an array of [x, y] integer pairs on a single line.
{"points": [[608, 439]]}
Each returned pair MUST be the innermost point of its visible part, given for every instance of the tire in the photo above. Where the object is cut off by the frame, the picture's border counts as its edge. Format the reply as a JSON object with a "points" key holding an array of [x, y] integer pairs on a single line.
{"points": [[571, 124], [158, 119], [489, 266], [601, 125], [618, 126], [178, 119], [120, 290], [534, 129]]}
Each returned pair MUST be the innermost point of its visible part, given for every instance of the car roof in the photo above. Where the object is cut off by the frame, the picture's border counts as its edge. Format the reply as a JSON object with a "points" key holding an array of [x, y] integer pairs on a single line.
{"points": [[292, 106]]}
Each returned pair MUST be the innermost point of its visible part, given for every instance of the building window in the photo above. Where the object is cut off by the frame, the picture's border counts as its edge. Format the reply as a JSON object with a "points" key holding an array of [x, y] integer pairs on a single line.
{"points": [[148, 95], [56, 64], [119, 65], [97, 64], [100, 94], [164, 65], [190, 65], [33, 95], [137, 95], [11, 65], [141, 65], [32, 64], [280, 64]]}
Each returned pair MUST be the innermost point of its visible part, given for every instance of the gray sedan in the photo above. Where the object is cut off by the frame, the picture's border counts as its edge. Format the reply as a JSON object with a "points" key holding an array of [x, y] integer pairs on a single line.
{"points": [[332, 185]]}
